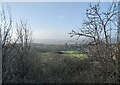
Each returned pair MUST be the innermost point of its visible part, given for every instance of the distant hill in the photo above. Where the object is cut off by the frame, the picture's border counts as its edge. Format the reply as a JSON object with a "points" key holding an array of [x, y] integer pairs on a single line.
{"points": [[58, 41]]}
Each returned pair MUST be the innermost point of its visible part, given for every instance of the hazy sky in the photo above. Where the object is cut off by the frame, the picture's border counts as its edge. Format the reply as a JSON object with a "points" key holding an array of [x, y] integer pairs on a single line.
{"points": [[51, 20]]}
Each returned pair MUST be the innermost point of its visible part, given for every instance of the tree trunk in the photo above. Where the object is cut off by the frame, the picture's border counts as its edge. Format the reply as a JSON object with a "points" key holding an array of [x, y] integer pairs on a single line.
{"points": [[118, 45], [106, 38], [0, 58]]}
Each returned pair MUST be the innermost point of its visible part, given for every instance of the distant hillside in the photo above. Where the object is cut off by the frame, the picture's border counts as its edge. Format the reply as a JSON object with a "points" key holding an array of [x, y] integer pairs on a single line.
{"points": [[58, 41]]}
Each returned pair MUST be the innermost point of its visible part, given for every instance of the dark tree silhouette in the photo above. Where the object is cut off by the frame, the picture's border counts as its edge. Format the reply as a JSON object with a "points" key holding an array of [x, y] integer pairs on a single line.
{"points": [[97, 27]]}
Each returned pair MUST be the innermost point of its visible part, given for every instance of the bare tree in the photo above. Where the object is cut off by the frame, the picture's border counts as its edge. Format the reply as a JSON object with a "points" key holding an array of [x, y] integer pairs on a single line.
{"points": [[6, 38], [97, 23], [24, 44], [118, 43], [0, 63], [14, 52], [97, 27]]}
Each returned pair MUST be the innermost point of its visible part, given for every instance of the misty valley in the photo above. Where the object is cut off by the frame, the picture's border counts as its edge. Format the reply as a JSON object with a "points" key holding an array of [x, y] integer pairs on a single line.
{"points": [[59, 42]]}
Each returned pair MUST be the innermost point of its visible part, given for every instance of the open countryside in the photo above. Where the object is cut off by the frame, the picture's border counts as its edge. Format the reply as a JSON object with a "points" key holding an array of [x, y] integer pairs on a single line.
{"points": [[60, 42]]}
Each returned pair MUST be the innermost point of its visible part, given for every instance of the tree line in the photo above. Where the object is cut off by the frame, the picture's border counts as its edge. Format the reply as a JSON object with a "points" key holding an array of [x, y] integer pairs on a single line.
{"points": [[15, 44]]}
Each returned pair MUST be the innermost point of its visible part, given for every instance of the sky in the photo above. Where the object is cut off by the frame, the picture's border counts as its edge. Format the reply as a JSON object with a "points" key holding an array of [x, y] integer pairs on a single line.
{"points": [[51, 20]]}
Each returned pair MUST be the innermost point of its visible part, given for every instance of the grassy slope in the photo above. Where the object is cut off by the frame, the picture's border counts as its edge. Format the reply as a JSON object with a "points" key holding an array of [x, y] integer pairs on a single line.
{"points": [[48, 56], [73, 54], [77, 55]]}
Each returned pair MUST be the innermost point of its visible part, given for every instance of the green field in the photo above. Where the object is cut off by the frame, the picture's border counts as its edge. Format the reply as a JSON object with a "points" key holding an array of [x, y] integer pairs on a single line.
{"points": [[45, 56], [68, 52], [73, 54], [77, 55], [48, 56]]}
